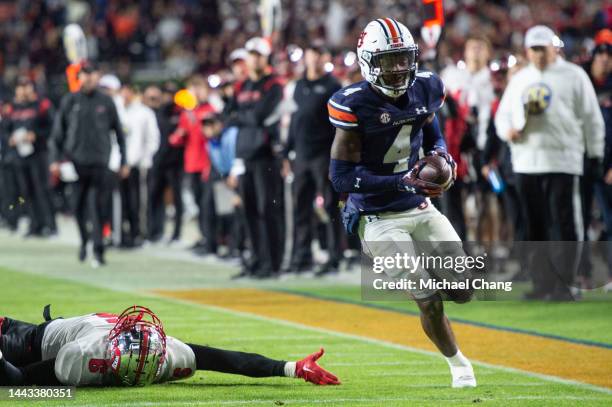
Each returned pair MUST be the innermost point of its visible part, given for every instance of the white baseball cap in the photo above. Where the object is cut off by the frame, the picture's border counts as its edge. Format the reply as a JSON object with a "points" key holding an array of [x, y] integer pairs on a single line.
{"points": [[542, 36], [259, 45], [109, 81], [237, 54]]}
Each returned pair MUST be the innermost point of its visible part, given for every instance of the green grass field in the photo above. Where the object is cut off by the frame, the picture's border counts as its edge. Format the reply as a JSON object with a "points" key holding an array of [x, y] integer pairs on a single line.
{"points": [[374, 373]]}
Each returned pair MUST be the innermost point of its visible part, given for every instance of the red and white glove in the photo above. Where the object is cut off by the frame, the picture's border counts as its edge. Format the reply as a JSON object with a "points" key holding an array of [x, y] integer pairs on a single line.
{"points": [[310, 371]]}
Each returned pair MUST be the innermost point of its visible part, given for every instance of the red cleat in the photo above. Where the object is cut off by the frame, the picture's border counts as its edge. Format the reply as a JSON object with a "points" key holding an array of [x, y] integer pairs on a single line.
{"points": [[310, 371]]}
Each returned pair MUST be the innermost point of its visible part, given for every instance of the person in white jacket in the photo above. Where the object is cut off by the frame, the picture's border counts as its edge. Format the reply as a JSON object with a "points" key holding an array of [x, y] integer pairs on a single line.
{"points": [[142, 142], [550, 116]]}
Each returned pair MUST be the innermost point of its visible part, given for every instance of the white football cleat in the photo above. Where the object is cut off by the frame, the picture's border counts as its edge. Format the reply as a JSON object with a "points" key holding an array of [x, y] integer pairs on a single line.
{"points": [[463, 376]]}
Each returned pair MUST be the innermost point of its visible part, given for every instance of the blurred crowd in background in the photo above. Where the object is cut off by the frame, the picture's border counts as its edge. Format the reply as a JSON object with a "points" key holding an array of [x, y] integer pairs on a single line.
{"points": [[143, 52], [175, 38]]}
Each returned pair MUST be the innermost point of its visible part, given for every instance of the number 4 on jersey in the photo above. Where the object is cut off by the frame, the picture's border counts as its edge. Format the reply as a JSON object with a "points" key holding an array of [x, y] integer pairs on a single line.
{"points": [[399, 152]]}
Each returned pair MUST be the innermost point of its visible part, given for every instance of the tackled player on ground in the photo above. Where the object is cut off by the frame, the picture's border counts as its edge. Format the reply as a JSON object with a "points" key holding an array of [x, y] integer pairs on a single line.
{"points": [[129, 349]]}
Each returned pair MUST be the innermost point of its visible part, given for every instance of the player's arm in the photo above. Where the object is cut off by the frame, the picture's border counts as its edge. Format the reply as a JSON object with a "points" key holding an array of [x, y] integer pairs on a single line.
{"points": [[433, 139], [254, 365], [347, 176], [344, 172]]}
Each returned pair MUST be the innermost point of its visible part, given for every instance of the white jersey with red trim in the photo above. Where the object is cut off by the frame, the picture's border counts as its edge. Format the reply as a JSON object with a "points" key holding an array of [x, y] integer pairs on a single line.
{"points": [[79, 346]]}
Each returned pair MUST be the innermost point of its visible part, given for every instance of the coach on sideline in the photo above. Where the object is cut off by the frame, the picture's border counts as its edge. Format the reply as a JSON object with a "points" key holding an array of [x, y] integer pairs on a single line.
{"points": [[82, 134], [550, 116], [260, 185]]}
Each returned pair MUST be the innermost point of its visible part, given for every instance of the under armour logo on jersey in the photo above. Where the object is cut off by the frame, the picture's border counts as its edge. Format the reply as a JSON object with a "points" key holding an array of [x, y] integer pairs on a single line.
{"points": [[357, 181], [421, 110]]}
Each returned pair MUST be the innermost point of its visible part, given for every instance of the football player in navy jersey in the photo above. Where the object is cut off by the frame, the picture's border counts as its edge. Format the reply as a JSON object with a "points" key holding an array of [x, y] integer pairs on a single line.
{"points": [[382, 123]]}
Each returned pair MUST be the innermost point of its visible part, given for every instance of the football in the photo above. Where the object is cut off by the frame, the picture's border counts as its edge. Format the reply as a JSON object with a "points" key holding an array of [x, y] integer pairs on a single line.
{"points": [[436, 170]]}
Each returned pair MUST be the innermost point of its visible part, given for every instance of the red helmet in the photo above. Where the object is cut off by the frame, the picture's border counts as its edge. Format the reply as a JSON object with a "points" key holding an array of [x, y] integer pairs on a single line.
{"points": [[136, 347]]}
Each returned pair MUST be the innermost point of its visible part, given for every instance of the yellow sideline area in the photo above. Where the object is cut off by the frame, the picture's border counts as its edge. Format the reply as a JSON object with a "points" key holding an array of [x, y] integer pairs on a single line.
{"points": [[553, 357]]}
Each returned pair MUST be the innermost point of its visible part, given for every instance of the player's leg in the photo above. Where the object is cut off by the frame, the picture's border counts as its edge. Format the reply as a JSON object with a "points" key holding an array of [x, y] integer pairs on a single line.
{"points": [[436, 325], [435, 228], [255, 365], [39, 373], [20, 342], [437, 237]]}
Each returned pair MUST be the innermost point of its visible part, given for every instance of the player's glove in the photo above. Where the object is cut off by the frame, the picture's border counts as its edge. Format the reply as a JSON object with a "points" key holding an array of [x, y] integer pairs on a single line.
{"points": [[411, 183], [310, 371]]}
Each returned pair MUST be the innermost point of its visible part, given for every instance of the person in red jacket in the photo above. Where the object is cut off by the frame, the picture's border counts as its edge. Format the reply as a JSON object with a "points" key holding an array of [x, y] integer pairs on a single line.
{"points": [[196, 162]]}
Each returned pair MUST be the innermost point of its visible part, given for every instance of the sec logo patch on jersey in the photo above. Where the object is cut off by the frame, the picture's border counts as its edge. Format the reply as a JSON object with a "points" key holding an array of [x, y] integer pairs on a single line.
{"points": [[385, 117]]}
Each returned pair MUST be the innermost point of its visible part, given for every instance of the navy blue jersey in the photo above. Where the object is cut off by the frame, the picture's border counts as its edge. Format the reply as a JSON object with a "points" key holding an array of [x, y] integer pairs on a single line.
{"points": [[392, 134]]}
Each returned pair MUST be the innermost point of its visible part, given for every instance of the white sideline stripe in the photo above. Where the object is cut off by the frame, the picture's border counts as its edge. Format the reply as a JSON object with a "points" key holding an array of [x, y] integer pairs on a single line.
{"points": [[394, 363], [254, 338], [379, 342], [339, 106], [343, 400], [339, 123], [421, 373], [373, 355]]}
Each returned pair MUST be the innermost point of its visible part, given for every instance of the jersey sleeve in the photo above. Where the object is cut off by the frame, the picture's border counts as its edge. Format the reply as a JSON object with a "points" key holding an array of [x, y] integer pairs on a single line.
{"points": [[341, 111], [180, 361], [435, 92]]}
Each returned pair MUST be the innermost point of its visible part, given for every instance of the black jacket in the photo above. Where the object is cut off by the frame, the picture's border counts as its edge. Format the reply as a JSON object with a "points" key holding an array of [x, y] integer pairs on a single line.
{"points": [[167, 156], [82, 129], [36, 116], [310, 133], [258, 129], [8, 155]]}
